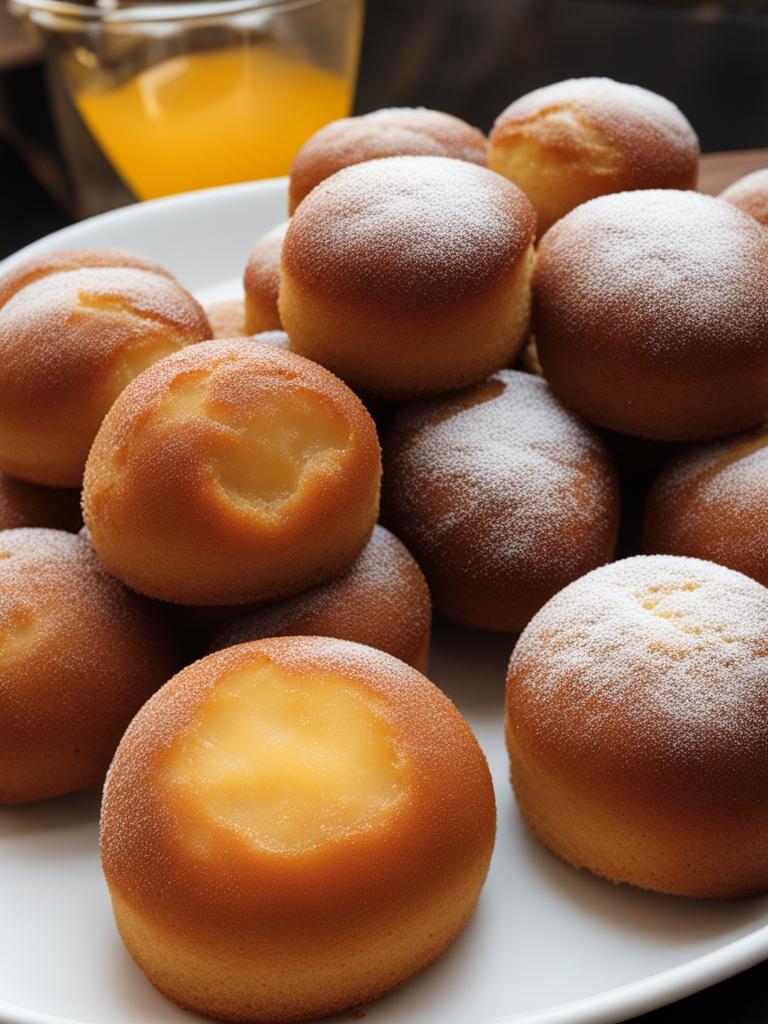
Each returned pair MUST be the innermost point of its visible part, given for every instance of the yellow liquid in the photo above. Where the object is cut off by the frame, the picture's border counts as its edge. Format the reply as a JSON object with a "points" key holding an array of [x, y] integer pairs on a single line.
{"points": [[212, 118]]}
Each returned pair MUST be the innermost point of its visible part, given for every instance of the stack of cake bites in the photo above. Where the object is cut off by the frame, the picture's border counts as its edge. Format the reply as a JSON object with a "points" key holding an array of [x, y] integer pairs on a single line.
{"points": [[300, 820]]}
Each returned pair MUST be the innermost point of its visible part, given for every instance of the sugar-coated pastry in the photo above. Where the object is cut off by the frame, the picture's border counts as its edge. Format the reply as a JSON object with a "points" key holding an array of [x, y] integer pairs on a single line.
{"points": [[382, 600], [637, 727], [502, 495], [227, 318], [393, 131], [261, 282], [23, 504], [292, 827], [71, 338], [232, 472], [750, 194], [651, 314], [575, 140], [712, 502], [32, 269], [79, 655], [409, 276]]}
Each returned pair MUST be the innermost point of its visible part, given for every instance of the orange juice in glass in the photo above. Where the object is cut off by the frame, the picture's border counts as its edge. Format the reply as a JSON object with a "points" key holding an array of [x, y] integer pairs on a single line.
{"points": [[188, 95]]}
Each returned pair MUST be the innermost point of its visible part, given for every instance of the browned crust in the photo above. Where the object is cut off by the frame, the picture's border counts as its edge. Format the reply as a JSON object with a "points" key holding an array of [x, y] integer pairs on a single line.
{"points": [[391, 132], [382, 600], [70, 259], [302, 934], [592, 136], [227, 318], [359, 240], [478, 575], [750, 194], [712, 502], [155, 513], [670, 362], [67, 341], [617, 770], [261, 282], [91, 653], [390, 266]]}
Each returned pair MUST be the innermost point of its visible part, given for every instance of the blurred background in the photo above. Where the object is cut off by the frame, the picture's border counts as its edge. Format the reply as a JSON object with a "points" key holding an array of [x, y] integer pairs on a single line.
{"points": [[76, 135]]}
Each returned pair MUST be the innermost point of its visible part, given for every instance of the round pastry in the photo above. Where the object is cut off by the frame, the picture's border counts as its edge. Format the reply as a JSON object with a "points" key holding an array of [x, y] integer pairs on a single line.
{"points": [[80, 655], [585, 137], [651, 314], [293, 827], [261, 282], [637, 727], [712, 502], [227, 318], [382, 600], [70, 340], [409, 275], [750, 194], [32, 269], [502, 496], [23, 504], [232, 472], [393, 131]]}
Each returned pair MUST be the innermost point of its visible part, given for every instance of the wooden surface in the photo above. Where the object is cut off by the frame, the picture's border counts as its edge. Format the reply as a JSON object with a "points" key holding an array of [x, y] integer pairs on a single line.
{"points": [[720, 169]]}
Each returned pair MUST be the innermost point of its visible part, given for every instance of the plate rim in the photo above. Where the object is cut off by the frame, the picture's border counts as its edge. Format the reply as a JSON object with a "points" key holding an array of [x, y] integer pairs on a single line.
{"points": [[608, 1007]]}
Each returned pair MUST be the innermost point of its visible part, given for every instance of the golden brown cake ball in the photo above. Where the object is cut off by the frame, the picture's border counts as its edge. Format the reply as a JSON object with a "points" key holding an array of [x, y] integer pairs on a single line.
{"points": [[585, 137], [712, 502], [35, 267], [232, 472], [393, 131], [502, 496], [651, 314], [637, 726], [23, 504], [227, 318], [293, 827], [750, 194], [261, 282], [70, 340], [79, 656], [382, 600], [410, 275]]}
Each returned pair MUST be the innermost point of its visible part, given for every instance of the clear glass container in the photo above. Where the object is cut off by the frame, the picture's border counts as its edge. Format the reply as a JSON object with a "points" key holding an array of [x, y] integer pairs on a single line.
{"points": [[182, 96]]}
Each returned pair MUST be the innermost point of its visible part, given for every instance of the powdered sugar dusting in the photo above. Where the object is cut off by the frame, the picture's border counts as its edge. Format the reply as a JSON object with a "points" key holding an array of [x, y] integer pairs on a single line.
{"points": [[672, 652], [750, 194], [681, 273], [262, 271], [382, 600], [392, 131], [649, 132], [83, 317], [503, 475], [408, 229], [712, 501]]}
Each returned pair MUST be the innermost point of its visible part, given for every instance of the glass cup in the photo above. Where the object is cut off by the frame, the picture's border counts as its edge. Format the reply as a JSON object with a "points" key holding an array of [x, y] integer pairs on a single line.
{"points": [[183, 96]]}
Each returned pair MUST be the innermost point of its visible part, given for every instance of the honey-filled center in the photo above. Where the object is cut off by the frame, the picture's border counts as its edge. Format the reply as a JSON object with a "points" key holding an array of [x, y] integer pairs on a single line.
{"points": [[289, 761]]}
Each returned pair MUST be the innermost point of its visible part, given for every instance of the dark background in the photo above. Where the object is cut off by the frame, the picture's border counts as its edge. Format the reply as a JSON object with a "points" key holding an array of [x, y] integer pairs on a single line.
{"points": [[472, 57]]}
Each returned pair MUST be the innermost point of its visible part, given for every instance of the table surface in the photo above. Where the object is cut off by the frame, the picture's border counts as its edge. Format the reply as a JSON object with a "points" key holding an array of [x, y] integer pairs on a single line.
{"points": [[720, 169]]}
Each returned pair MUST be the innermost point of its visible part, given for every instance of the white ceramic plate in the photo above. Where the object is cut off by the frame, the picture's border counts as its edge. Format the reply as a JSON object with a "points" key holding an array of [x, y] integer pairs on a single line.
{"points": [[548, 945]]}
